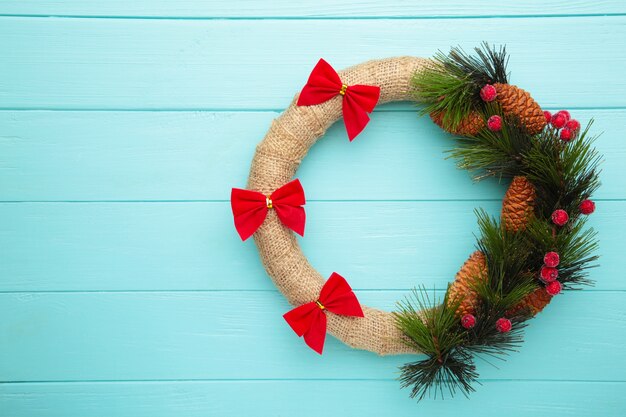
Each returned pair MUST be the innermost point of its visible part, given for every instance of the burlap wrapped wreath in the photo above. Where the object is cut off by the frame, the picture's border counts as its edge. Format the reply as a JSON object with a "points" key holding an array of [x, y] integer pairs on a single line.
{"points": [[503, 111]]}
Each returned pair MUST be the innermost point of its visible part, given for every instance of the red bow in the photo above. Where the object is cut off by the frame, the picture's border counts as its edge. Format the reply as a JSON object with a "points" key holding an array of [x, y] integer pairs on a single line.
{"points": [[358, 100], [250, 208], [309, 320]]}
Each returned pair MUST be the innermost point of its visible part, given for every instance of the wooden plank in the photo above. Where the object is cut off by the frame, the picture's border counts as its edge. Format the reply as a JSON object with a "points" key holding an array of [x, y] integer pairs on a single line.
{"points": [[293, 398], [181, 64], [234, 335], [183, 246], [87, 156], [305, 9]]}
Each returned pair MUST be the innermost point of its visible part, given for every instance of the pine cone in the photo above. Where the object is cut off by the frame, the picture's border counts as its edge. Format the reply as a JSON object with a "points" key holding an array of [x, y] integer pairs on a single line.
{"points": [[533, 303], [470, 125], [519, 103], [474, 268], [517, 205]]}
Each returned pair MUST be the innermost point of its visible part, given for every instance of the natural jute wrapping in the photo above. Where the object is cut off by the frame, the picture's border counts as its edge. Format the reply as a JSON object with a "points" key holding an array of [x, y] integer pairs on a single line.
{"points": [[275, 163]]}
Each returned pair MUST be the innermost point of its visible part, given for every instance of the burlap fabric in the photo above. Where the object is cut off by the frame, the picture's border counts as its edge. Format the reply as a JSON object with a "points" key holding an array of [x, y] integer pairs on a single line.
{"points": [[275, 163]]}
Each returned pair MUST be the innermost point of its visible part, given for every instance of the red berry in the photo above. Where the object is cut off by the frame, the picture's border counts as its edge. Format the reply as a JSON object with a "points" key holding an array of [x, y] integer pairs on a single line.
{"points": [[560, 217], [551, 259], [558, 120], [573, 125], [495, 123], [488, 93], [503, 325], [549, 274], [547, 115], [565, 134], [565, 113], [554, 288], [587, 207], [468, 321]]}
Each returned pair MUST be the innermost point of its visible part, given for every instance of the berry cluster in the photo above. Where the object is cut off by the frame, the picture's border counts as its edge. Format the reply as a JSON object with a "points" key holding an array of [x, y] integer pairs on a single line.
{"points": [[560, 216], [503, 325], [549, 273], [562, 121], [567, 129], [488, 94]]}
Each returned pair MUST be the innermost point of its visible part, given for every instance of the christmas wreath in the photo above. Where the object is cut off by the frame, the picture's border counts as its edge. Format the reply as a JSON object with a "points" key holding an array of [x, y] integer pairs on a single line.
{"points": [[539, 246]]}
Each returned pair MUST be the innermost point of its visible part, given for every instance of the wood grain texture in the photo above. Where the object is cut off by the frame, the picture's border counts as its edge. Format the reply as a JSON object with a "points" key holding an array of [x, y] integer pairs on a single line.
{"points": [[235, 335], [193, 246], [61, 63], [298, 398], [306, 9], [95, 156], [124, 290]]}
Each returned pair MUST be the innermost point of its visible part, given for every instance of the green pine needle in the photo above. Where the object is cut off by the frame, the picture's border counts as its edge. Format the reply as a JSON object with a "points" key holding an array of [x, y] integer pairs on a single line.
{"points": [[433, 330], [452, 84], [509, 258], [576, 246], [562, 173], [429, 327], [497, 154]]}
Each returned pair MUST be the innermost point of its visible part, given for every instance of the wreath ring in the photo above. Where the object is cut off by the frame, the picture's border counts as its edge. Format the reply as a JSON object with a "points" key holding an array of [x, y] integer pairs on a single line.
{"points": [[485, 301], [275, 162]]}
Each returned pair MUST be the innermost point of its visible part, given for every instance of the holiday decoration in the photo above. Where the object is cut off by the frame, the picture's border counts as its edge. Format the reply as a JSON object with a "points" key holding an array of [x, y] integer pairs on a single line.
{"points": [[309, 320], [469, 125], [518, 204], [553, 288], [250, 208], [565, 114], [566, 134], [551, 259], [504, 325], [518, 103], [531, 304], [539, 246], [462, 291], [547, 115], [560, 217], [488, 93], [495, 123], [549, 274], [358, 100], [468, 321], [573, 125], [558, 120], [587, 207]]}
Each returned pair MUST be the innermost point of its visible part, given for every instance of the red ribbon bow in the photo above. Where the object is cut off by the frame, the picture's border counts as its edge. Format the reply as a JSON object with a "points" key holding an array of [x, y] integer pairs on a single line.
{"points": [[358, 100], [250, 208], [309, 320]]}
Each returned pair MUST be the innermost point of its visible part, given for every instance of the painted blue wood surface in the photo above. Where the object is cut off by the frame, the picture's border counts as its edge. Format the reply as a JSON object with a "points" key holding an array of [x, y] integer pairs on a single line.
{"points": [[124, 290]]}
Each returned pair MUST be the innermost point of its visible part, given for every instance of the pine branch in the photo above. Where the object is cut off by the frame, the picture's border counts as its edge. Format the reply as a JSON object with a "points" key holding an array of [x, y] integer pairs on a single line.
{"points": [[451, 86], [428, 327], [449, 93], [484, 339], [429, 377], [434, 330], [488, 66], [575, 245], [564, 174], [494, 153], [509, 260]]}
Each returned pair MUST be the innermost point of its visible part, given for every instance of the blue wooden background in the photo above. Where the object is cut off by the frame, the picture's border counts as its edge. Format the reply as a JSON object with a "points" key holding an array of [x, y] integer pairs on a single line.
{"points": [[124, 288]]}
